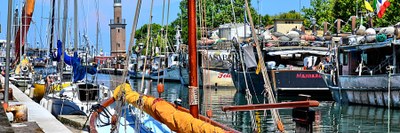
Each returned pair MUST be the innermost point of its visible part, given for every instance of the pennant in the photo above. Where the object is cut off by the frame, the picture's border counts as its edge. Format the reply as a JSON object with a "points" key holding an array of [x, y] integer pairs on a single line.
{"points": [[368, 6]]}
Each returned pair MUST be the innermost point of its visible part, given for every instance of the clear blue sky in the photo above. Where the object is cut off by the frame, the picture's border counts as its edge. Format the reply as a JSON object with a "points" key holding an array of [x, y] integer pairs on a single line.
{"points": [[87, 16]]}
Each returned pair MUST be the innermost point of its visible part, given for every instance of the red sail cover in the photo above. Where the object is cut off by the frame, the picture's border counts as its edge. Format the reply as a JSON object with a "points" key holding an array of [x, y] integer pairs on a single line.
{"points": [[26, 19]]}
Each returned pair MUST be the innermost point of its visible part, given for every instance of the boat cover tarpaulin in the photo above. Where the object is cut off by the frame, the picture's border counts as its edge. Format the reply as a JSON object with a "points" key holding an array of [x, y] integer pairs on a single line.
{"points": [[78, 70], [67, 58], [22, 31], [248, 55], [166, 113]]}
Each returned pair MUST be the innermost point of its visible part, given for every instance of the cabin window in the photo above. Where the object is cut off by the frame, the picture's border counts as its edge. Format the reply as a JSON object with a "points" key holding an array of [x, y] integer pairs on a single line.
{"points": [[343, 59], [364, 57]]}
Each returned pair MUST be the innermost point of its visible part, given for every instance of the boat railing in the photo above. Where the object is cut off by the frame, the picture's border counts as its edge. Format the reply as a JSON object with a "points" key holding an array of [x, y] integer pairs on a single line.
{"points": [[383, 64], [278, 43]]}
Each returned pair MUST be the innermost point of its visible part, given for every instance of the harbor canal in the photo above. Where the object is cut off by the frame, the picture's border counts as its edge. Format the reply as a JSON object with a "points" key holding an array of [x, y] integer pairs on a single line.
{"points": [[329, 116]]}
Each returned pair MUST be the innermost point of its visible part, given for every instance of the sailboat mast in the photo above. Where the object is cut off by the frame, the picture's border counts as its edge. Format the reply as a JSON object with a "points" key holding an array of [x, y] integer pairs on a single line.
{"points": [[97, 27], [8, 51], [52, 25], [75, 25], [64, 33], [193, 85]]}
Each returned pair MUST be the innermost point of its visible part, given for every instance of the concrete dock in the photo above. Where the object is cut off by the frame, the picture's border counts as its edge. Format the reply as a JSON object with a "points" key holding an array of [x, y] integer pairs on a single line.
{"points": [[36, 113], [111, 71]]}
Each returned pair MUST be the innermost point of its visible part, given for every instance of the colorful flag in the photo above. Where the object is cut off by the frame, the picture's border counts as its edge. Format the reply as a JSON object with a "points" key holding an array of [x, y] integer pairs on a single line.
{"points": [[258, 67], [368, 6], [380, 6]]}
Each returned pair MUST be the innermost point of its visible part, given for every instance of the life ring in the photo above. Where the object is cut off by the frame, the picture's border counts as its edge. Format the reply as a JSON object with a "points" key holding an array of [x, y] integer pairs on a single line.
{"points": [[24, 69]]}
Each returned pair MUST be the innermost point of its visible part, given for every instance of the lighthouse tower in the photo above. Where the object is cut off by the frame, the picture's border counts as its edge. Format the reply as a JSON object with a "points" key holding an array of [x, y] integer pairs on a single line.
{"points": [[117, 31]]}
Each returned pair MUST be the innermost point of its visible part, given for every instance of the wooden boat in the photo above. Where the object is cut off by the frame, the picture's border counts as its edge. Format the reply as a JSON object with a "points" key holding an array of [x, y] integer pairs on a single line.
{"points": [[365, 73], [289, 67]]}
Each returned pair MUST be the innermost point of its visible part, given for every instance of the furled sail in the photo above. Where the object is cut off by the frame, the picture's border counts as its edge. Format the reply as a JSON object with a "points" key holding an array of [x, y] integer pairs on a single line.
{"points": [[78, 69], [166, 113]]}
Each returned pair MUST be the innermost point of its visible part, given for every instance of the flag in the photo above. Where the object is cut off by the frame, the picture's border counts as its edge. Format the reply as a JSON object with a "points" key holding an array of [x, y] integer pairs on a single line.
{"points": [[380, 7], [368, 6], [258, 67]]}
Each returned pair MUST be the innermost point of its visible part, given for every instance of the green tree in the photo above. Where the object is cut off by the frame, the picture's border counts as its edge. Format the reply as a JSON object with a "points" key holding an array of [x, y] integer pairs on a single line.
{"points": [[330, 10], [321, 10]]}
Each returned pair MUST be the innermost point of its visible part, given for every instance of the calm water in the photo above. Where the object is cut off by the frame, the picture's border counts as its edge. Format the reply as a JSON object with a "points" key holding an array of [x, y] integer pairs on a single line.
{"points": [[330, 117]]}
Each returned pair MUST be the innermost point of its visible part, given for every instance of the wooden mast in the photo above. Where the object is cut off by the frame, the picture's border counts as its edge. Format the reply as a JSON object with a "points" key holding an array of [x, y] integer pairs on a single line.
{"points": [[193, 85]]}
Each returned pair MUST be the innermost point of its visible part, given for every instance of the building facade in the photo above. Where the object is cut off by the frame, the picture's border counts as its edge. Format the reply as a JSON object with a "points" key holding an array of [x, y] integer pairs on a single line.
{"points": [[286, 25]]}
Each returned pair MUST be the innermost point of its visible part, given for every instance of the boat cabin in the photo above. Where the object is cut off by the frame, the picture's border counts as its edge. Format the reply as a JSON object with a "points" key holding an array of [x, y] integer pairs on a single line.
{"points": [[368, 59], [88, 92]]}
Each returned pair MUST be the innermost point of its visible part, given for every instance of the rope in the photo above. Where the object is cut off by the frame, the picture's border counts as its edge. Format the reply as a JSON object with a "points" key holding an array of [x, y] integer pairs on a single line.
{"points": [[147, 48], [248, 94], [267, 85]]}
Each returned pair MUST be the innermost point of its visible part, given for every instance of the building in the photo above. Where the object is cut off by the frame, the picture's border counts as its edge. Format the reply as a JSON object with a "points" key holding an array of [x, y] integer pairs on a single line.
{"points": [[117, 31], [286, 25], [231, 31]]}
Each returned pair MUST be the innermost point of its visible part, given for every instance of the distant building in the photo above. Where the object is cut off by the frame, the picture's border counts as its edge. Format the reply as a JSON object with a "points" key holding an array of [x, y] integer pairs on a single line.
{"points": [[117, 31], [234, 31], [286, 25]]}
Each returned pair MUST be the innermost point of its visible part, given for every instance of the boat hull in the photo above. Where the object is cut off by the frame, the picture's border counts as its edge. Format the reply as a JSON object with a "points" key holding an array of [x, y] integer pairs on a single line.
{"points": [[38, 91], [366, 90], [291, 83], [168, 74], [219, 78], [255, 82]]}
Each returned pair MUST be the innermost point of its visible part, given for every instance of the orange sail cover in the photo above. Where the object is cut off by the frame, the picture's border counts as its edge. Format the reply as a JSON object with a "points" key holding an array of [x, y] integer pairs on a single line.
{"points": [[26, 19], [166, 113]]}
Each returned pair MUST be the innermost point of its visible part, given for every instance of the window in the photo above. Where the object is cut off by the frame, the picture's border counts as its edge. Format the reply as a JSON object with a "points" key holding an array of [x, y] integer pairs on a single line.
{"points": [[117, 19], [118, 30], [343, 58], [364, 58], [118, 44]]}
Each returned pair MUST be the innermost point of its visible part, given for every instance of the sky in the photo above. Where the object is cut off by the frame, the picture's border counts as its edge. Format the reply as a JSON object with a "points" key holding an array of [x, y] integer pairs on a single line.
{"points": [[87, 17]]}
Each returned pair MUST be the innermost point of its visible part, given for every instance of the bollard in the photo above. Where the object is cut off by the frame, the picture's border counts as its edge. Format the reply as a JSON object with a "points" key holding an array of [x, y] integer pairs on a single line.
{"points": [[304, 118]]}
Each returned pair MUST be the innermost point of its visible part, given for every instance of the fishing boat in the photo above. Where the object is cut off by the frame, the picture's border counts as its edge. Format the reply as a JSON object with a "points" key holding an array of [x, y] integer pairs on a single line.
{"points": [[292, 61], [169, 73], [365, 73], [215, 67]]}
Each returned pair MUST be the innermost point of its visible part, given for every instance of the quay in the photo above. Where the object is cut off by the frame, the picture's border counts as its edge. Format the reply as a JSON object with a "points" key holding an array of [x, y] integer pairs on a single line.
{"points": [[36, 113], [111, 71]]}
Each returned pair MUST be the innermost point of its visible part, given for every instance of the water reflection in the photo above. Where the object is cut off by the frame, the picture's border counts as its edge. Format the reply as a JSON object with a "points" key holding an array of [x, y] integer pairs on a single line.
{"points": [[330, 117]]}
